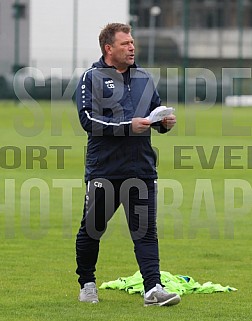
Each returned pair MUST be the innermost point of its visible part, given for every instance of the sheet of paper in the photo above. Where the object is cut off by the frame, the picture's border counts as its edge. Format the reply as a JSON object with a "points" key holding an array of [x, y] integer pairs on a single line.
{"points": [[159, 113]]}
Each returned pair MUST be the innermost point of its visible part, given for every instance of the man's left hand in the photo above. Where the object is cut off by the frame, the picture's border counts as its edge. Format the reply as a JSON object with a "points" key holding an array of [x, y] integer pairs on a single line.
{"points": [[169, 121]]}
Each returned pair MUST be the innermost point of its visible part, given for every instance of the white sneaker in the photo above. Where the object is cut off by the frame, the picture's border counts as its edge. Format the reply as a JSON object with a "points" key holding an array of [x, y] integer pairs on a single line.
{"points": [[158, 296], [89, 293]]}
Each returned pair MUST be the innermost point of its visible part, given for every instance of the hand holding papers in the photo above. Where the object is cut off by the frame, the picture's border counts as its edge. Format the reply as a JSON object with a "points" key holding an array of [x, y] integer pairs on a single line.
{"points": [[160, 113]]}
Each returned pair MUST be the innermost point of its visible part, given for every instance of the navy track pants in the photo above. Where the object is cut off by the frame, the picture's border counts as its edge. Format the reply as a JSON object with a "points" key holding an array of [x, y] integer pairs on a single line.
{"points": [[103, 197]]}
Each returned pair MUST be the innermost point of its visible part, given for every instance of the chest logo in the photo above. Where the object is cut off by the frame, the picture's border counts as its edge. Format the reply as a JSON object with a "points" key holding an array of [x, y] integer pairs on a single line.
{"points": [[110, 84]]}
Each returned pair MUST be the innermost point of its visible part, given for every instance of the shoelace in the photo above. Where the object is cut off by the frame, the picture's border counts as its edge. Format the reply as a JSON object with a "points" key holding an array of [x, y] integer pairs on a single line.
{"points": [[89, 292]]}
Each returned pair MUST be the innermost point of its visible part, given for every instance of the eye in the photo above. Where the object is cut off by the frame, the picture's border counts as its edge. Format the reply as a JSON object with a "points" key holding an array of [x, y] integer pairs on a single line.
{"points": [[128, 43]]}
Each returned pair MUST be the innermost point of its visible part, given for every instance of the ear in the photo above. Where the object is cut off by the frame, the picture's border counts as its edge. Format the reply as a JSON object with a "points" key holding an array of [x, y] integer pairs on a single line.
{"points": [[108, 48]]}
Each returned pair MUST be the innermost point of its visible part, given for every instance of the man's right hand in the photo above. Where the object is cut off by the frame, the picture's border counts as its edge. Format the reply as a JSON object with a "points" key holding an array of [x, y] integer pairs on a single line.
{"points": [[140, 125]]}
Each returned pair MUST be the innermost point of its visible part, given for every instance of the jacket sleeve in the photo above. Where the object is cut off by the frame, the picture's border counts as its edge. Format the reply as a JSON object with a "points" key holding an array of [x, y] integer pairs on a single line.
{"points": [[91, 113], [156, 102]]}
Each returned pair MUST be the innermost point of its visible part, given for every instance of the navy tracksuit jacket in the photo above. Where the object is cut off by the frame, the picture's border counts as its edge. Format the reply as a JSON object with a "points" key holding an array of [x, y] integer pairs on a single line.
{"points": [[107, 101]]}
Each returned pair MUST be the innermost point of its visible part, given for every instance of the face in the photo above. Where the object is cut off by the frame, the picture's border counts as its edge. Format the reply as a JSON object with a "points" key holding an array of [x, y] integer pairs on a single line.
{"points": [[121, 53]]}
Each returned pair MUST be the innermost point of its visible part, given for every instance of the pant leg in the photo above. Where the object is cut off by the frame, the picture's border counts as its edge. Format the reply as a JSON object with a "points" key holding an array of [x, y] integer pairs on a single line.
{"points": [[100, 205], [139, 200]]}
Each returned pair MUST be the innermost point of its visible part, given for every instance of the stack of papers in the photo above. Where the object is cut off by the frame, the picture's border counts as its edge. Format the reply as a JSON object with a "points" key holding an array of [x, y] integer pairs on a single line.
{"points": [[160, 113]]}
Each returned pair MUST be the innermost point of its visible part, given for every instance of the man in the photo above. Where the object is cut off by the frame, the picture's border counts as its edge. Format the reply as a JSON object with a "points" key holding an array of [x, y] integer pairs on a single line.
{"points": [[114, 96]]}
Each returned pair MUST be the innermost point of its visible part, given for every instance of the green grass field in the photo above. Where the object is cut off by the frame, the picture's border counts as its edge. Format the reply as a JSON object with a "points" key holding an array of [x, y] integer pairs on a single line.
{"points": [[204, 217]]}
